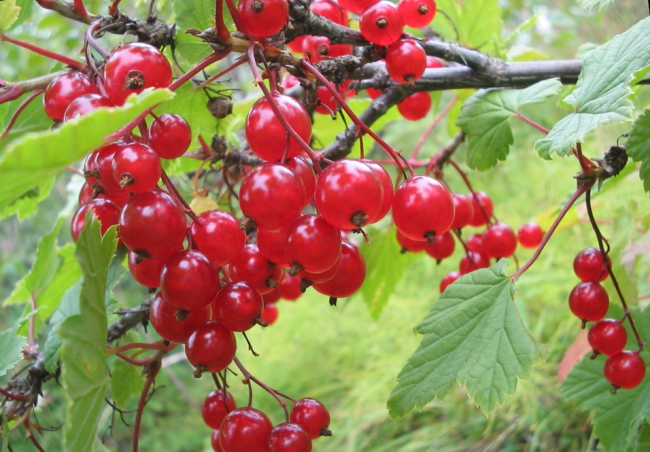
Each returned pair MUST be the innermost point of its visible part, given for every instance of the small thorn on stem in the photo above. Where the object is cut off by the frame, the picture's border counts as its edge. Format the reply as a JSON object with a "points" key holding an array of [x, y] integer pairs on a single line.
{"points": [[333, 301]]}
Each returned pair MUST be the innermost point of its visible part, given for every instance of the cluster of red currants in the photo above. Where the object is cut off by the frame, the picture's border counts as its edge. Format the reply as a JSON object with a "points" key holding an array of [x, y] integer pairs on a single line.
{"points": [[589, 302]]}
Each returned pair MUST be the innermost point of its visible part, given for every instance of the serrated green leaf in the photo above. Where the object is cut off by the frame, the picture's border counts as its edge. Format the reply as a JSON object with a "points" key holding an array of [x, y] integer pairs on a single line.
{"points": [[601, 93], [26, 11], [643, 440], [8, 14], [473, 335], [31, 119], [83, 360], [11, 346], [638, 146], [27, 205], [385, 267], [126, 382], [476, 21], [199, 15], [485, 117], [68, 307], [37, 156]]}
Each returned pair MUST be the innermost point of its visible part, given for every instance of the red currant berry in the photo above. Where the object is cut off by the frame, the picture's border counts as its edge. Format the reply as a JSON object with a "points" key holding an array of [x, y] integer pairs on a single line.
{"points": [[625, 370], [589, 301], [416, 106], [270, 313], [170, 136], [475, 243], [349, 278], [414, 246], [217, 234], [373, 93], [449, 279], [312, 416], [405, 61], [464, 211], [272, 297], [189, 281], [252, 267], [214, 441], [357, 6], [272, 245], [387, 185], [239, 306], [483, 208], [306, 174], [381, 24], [63, 90], [313, 244], [607, 336], [499, 240], [326, 103], [245, 430], [216, 407], [417, 13], [289, 437], [145, 271], [107, 212], [443, 247], [103, 169], [290, 288], [530, 235], [263, 18], [85, 104], [136, 167], [309, 278], [331, 10], [473, 261], [590, 266], [211, 348], [165, 319], [434, 63], [86, 194], [134, 67]]}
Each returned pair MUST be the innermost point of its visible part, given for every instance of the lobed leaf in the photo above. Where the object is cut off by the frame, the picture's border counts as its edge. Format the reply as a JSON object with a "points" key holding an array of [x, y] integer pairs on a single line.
{"points": [[198, 15], [638, 146], [8, 14], [485, 117], [68, 307], [126, 382], [474, 21], [473, 335], [602, 91], [11, 346]]}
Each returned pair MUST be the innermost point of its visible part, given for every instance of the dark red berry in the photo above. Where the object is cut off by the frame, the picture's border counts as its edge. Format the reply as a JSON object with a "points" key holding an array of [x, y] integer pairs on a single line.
{"points": [[165, 319], [417, 13], [416, 106], [381, 24], [530, 235], [449, 279], [170, 136], [589, 301], [350, 276], [188, 280], [312, 416], [483, 208], [414, 246], [607, 336], [405, 61], [86, 104], [211, 348], [473, 261], [254, 268], [216, 233], [105, 211], [216, 407], [589, 265], [499, 240], [245, 430], [313, 243], [136, 167], [145, 271], [464, 211], [625, 370], [63, 90], [443, 246], [238, 306], [289, 437], [270, 313], [263, 18]]}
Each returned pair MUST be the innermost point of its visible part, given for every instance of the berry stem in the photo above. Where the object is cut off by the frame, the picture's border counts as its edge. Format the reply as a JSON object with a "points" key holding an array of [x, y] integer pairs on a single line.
{"points": [[17, 397], [90, 39], [79, 8], [135, 362], [581, 189], [471, 189], [205, 62], [18, 111], [74, 64], [141, 345], [530, 122], [601, 244], [433, 125], [248, 376], [223, 34], [152, 371], [175, 193], [234, 13], [221, 74]]}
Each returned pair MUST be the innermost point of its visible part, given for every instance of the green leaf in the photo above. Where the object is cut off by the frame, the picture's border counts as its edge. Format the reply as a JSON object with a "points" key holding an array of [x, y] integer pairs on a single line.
{"points": [[199, 15], [27, 205], [601, 94], [385, 267], [638, 146], [69, 306], [8, 14], [476, 21], [485, 117], [38, 156], [126, 382], [473, 335], [11, 346], [83, 360], [31, 119], [590, 4]]}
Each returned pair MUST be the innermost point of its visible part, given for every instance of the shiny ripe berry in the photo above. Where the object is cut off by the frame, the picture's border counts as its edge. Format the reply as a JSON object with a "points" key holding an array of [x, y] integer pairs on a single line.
{"points": [[290, 287], [589, 301], [216, 233], [86, 104], [85, 194], [349, 194], [320, 48], [326, 103], [405, 61], [443, 247], [434, 63], [499, 240], [357, 6], [422, 208], [309, 278], [214, 441], [252, 267], [475, 243], [607, 336], [245, 430], [483, 208], [381, 24], [331, 10], [211, 348], [350, 276], [416, 106], [449, 279], [170, 136], [273, 296], [473, 261], [164, 318], [313, 243], [216, 407], [272, 245], [145, 271], [103, 169], [270, 313], [625, 370], [387, 185], [464, 211], [414, 246], [589, 265], [312, 416], [263, 18], [289, 437], [530, 235], [105, 211], [136, 167], [417, 13], [373, 93], [305, 172], [134, 67], [267, 137], [189, 281], [63, 90], [238, 306]]}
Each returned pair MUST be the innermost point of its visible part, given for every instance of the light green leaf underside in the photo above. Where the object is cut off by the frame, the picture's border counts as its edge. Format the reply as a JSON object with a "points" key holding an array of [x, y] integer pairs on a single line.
{"points": [[11, 346], [199, 15], [8, 14], [474, 336]]}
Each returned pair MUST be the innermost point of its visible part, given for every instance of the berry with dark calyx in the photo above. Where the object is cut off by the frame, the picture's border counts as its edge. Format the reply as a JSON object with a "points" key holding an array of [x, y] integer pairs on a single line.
{"points": [[387, 185], [312, 416], [473, 261], [416, 106], [211, 348], [272, 195], [146, 271], [103, 169], [589, 301], [238, 306], [265, 134], [305, 172], [136, 167], [134, 67], [85, 104], [312, 244], [165, 319], [245, 430], [589, 265], [216, 407], [272, 245], [170, 136], [449, 279], [530, 235], [105, 211], [270, 313], [417, 13], [464, 211], [349, 194], [381, 24], [405, 61], [252, 267], [214, 441], [607, 336], [289, 437], [350, 276], [216, 233], [499, 240], [414, 246], [443, 246], [85, 194], [263, 18], [483, 208], [188, 280], [320, 48], [290, 287], [63, 90], [423, 208], [327, 104], [309, 278], [625, 370]]}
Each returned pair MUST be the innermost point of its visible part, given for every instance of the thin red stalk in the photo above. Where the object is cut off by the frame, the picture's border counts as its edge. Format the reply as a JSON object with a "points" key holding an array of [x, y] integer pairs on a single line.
{"points": [[17, 397], [90, 39], [175, 193], [205, 62], [276, 109], [74, 64], [582, 189], [248, 376], [18, 111], [586, 165], [79, 8], [234, 13], [221, 74], [142, 345], [135, 362], [30, 435], [530, 122], [47, 4], [339, 99], [143, 400], [433, 125], [113, 8], [13, 93], [471, 189], [223, 34]]}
